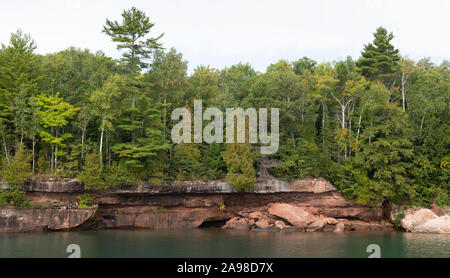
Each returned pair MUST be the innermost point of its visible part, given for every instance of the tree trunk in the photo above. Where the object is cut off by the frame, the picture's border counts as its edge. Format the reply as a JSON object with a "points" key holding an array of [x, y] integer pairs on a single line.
{"points": [[101, 140], [133, 101], [83, 132], [133, 105], [405, 77], [56, 157], [421, 124], [108, 148], [403, 91], [51, 158], [6, 149], [164, 117], [323, 127], [359, 124], [349, 150], [56, 151], [303, 107], [34, 143]]}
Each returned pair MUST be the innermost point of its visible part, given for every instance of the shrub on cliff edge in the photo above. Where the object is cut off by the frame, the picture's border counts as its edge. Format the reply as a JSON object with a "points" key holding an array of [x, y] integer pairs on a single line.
{"points": [[14, 197], [91, 175], [239, 159], [85, 201], [17, 169], [94, 176]]}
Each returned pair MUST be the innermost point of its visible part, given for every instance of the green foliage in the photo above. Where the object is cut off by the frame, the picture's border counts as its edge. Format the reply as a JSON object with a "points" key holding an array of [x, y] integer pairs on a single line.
{"points": [[43, 163], [214, 163], [235, 83], [302, 159], [204, 85], [380, 170], [380, 60], [92, 174], [14, 197], [85, 201], [187, 161], [18, 169], [195, 161], [117, 175], [443, 196], [398, 217], [130, 35], [239, 159], [304, 64], [354, 182], [54, 114], [221, 206], [142, 156], [376, 127], [18, 70], [168, 77]]}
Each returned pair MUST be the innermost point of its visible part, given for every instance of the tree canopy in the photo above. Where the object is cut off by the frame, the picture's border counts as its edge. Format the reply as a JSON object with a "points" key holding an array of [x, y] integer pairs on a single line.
{"points": [[377, 127]]}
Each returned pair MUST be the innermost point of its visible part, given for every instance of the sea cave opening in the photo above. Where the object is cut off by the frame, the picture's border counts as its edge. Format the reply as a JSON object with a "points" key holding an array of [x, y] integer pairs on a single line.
{"points": [[213, 223]]}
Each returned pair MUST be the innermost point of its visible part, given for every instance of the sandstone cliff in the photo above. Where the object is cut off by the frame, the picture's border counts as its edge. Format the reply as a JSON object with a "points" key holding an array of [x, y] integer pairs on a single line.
{"points": [[421, 220], [306, 205], [37, 220]]}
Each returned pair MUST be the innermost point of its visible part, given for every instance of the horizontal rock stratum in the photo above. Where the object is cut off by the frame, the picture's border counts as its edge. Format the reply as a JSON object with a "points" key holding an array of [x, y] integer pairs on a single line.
{"points": [[311, 185], [37, 220], [317, 185], [308, 204]]}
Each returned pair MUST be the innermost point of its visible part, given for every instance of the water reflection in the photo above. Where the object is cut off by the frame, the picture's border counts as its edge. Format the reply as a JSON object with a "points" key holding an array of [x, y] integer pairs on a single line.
{"points": [[223, 243], [426, 245]]}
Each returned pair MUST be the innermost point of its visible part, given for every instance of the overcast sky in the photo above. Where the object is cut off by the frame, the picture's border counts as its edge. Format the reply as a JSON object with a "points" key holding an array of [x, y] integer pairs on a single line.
{"points": [[225, 32]]}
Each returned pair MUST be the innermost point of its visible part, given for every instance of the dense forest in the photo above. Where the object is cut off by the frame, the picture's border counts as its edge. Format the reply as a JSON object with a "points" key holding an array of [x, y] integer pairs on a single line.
{"points": [[377, 127]]}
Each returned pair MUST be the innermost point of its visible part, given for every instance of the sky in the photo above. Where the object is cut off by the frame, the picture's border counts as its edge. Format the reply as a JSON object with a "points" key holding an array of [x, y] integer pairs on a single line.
{"points": [[226, 32]]}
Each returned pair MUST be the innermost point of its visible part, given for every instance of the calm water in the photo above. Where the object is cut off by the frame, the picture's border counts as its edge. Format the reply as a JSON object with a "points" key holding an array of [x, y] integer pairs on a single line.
{"points": [[222, 244]]}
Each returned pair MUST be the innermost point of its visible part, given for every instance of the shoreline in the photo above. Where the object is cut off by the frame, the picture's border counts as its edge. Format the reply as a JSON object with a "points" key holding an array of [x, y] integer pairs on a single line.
{"points": [[305, 205]]}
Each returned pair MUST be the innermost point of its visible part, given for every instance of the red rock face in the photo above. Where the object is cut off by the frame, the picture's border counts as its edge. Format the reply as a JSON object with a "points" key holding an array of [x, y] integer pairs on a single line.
{"points": [[33, 220], [358, 213], [340, 227], [239, 223], [296, 216], [63, 185], [307, 205], [159, 217], [437, 210], [243, 211], [51, 197]]}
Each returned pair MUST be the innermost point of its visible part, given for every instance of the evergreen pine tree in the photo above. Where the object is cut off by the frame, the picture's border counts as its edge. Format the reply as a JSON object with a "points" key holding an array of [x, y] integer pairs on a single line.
{"points": [[380, 60], [239, 160]]}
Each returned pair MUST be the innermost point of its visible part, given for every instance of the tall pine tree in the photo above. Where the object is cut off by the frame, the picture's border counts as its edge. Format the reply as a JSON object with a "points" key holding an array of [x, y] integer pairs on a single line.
{"points": [[380, 60]]}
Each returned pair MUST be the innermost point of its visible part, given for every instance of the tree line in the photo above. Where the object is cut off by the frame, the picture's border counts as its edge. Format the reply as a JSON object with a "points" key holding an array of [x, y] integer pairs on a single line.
{"points": [[377, 127]]}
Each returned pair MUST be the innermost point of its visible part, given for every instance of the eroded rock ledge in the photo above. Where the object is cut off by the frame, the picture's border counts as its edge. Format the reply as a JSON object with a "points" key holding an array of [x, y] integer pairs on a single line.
{"points": [[37, 220], [306, 205], [53, 185], [318, 185], [421, 220]]}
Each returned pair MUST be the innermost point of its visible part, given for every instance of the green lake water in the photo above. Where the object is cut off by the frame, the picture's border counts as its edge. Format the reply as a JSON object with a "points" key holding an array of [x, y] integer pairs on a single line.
{"points": [[222, 244]]}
